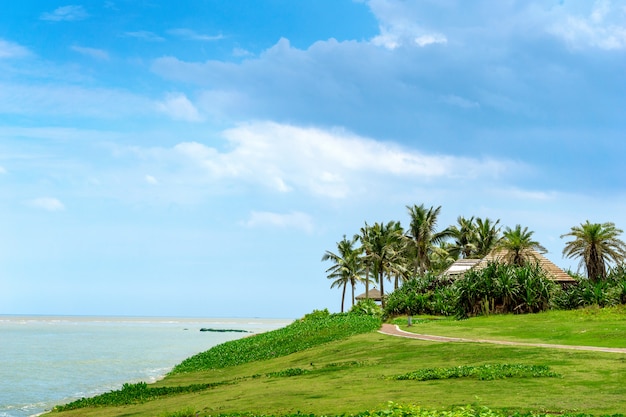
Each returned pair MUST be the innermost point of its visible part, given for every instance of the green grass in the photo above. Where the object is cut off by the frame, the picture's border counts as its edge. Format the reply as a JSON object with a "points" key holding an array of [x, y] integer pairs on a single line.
{"points": [[354, 374], [587, 327]]}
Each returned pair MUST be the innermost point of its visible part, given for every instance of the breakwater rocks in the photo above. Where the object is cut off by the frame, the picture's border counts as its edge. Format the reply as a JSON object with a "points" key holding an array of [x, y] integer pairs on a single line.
{"points": [[205, 329]]}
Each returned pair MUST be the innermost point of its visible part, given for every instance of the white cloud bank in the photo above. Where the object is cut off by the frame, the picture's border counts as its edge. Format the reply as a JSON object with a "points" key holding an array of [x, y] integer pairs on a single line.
{"points": [[66, 13], [293, 220], [330, 163], [12, 50], [47, 203], [178, 107]]}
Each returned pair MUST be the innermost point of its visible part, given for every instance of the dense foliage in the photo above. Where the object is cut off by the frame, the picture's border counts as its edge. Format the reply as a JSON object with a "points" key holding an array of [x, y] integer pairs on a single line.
{"points": [[131, 394], [312, 330], [483, 373]]}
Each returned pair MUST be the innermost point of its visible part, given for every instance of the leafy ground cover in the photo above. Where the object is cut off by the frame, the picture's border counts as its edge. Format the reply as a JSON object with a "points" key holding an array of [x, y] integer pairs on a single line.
{"points": [[485, 372], [351, 374], [301, 334]]}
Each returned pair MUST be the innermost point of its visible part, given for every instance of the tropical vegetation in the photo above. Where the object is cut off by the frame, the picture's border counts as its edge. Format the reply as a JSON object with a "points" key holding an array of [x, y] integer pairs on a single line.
{"points": [[363, 373], [413, 259]]}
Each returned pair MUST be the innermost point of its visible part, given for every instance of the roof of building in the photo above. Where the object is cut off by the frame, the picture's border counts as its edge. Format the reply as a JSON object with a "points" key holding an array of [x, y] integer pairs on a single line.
{"points": [[553, 272]]}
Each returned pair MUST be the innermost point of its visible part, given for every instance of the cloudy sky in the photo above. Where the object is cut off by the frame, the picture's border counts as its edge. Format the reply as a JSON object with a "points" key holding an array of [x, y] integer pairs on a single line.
{"points": [[197, 158]]}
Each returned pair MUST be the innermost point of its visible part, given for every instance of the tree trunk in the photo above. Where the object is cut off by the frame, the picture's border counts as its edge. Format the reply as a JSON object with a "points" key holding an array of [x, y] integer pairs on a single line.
{"points": [[382, 288], [343, 295], [367, 282]]}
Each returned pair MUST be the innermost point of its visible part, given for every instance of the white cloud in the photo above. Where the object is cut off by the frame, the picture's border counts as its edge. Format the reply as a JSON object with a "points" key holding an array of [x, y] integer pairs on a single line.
{"points": [[431, 38], [151, 180], [602, 26], [91, 52], [178, 107], [66, 13], [12, 50], [194, 36], [331, 163], [145, 35], [47, 203], [457, 101], [2, 170], [293, 220]]}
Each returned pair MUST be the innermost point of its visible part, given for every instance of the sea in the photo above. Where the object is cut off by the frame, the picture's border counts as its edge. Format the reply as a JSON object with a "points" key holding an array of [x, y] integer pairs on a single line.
{"points": [[51, 360]]}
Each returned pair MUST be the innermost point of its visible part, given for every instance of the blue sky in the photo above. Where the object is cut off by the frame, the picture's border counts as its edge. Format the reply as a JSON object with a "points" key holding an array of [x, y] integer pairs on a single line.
{"points": [[196, 158]]}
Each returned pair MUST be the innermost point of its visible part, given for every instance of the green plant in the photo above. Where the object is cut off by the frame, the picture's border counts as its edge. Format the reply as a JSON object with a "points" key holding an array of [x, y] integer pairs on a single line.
{"points": [[482, 373], [314, 329]]}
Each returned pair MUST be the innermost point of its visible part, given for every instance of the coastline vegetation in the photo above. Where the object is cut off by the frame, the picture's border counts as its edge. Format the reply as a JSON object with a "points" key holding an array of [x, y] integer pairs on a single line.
{"points": [[338, 365], [346, 368]]}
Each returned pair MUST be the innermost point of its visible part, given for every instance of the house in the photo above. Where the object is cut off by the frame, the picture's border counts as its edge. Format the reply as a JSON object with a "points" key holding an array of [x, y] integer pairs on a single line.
{"points": [[553, 272], [374, 294]]}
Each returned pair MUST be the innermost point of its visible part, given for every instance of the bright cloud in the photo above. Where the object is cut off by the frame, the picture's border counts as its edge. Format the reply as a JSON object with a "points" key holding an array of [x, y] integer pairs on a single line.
{"points": [[91, 52], [2, 170], [293, 220], [12, 50], [332, 163], [66, 13], [194, 36], [47, 203], [178, 107], [151, 180], [145, 35]]}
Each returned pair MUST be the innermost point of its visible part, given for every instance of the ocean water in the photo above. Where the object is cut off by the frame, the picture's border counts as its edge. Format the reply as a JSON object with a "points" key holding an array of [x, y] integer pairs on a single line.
{"points": [[46, 360]]}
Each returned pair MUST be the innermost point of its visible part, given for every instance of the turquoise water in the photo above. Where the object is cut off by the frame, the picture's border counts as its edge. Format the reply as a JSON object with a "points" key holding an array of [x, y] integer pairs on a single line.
{"points": [[45, 361]]}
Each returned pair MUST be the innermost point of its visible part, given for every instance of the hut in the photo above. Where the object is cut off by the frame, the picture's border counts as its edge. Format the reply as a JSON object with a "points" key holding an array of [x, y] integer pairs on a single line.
{"points": [[374, 294]]}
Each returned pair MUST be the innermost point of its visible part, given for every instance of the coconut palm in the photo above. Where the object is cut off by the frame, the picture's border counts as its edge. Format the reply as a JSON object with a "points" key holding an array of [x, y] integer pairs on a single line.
{"points": [[346, 268], [464, 235], [423, 234], [385, 244], [597, 244], [518, 244], [486, 237], [364, 237]]}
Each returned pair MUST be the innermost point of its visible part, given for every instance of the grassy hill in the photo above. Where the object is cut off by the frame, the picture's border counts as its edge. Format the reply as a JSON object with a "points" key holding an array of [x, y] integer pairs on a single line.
{"points": [[340, 365]]}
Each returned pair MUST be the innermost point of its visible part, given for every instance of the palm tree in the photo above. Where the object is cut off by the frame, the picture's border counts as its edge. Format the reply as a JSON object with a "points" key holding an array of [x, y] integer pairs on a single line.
{"points": [[464, 235], [486, 237], [423, 234], [347, 267], [364, 237], [518, 244], [384, 247], [596, 244]]}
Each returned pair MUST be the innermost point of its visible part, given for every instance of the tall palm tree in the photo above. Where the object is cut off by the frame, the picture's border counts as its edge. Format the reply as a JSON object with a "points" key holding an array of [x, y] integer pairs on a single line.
{"points": [[385, 244], [346, 268], [423, 234], [364, 237], [518, 243], [464, 235], [596, 244], [486, 237]]}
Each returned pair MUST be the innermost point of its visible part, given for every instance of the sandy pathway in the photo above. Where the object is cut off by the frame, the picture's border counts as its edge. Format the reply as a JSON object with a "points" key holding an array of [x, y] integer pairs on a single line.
{"points": [[393, 330]]}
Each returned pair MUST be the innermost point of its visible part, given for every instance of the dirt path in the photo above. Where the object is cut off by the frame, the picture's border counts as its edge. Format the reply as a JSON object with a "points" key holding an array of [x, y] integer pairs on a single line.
{"points": [[393, 330]]}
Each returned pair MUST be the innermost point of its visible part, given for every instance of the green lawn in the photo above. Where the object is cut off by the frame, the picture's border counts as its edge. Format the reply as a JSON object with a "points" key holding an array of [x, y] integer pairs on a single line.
{"points": [[587, 327], [356, 374]]}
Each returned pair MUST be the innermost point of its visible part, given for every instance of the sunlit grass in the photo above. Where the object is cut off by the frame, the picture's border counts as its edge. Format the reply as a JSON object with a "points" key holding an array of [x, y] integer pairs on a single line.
{"points": [[587, 327]]}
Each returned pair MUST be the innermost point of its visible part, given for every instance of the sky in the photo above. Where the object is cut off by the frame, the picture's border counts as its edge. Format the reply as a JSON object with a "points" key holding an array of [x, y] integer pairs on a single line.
{"points": [[197, 158]]}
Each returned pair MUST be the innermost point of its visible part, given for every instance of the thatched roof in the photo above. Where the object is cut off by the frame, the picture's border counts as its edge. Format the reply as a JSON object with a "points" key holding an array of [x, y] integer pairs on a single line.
{"points": [[460, 266], [552, 271], [374, 294]]}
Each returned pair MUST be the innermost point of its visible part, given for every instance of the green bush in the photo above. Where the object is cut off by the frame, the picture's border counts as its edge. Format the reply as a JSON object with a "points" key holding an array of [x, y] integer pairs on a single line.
{"points": [[367, 307], [482, 373]]}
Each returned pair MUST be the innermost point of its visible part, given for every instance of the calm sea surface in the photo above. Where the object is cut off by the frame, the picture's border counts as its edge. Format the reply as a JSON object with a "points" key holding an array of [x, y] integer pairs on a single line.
{"points": [[46, 360]]}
